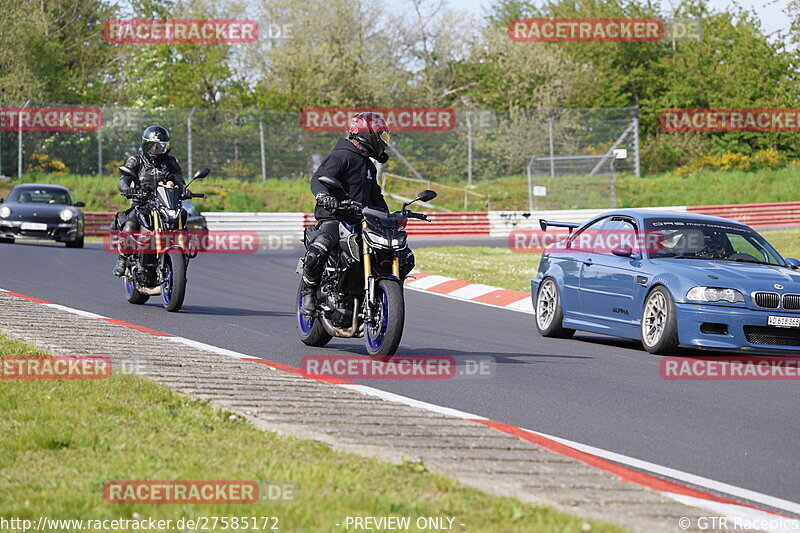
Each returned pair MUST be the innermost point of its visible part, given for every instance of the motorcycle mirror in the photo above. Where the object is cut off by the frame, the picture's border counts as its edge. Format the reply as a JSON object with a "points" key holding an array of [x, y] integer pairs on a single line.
{"points": [[128, 172], [331, 183], [426, 196], [202, 173]]}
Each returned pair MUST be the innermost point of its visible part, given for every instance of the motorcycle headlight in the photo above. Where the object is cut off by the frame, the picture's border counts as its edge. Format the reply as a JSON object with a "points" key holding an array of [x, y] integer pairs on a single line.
{"points": [[714, 294], [381, 241], [172, 213], [66, 215], [5, 211]]}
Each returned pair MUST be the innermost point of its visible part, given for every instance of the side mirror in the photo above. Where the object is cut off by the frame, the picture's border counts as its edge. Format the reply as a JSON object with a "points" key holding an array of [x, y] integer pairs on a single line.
{"points": [[624, 251], [426, 195], [202, 173], [79, 204], [127, 172], [331, 183], [793, 263]]}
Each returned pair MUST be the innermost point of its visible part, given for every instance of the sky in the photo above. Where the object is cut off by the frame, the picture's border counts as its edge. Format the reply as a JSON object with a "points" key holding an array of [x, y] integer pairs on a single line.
{"points": [[769, 11]]}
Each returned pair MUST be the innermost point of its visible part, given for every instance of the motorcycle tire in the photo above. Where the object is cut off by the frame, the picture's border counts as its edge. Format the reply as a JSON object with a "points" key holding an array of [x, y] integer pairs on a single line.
{"points": [[383, 336]]}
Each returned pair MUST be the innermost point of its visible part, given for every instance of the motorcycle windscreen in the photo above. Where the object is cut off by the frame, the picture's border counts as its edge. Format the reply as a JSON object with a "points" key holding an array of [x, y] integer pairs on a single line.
{"points": [[170, 197]]}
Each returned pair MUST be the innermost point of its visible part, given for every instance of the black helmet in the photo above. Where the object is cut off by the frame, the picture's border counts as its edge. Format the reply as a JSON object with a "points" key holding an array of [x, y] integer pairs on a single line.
{"points": [[371, 130], [155, 141]]}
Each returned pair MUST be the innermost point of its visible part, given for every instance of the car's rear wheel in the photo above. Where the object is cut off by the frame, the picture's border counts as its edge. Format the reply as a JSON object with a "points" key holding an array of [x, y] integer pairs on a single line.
{"points": [[659, 327], [4, 240], [549, 313]]}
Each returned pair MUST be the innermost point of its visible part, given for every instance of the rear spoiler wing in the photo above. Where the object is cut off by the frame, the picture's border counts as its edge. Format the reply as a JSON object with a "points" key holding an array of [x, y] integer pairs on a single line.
{"points": [[545, 223]]}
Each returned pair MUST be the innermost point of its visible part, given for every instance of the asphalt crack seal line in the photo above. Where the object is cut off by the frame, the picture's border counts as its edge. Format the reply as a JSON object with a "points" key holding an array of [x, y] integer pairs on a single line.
{"points": [[546, 470]]}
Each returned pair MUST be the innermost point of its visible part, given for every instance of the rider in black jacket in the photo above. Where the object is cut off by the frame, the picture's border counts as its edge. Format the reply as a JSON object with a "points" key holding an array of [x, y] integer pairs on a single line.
{"points": [[151, 165], [350, 163]]}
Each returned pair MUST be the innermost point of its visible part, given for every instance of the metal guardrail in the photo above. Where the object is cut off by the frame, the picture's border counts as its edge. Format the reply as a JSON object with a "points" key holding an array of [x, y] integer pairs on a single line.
{"points": [[757, 215], [480, 223]]}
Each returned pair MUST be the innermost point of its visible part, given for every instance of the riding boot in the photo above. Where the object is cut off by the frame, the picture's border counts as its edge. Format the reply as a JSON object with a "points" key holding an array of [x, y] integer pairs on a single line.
{"points": [[119, 268], [308, 298]]}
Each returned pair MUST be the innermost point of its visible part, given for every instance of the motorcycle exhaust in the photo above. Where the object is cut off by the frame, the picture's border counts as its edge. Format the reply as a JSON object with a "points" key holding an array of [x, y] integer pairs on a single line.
{"points": [[151, 291], [353, 331]]}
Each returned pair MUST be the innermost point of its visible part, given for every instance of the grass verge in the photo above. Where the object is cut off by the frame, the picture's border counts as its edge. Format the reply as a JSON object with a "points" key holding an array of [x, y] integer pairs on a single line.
{"points": [[501, 267], [62, 439]]}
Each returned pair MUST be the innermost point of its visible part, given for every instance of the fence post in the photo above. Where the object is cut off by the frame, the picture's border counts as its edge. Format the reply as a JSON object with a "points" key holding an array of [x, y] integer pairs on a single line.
{"points": [[550, 134], [189, 141], [530, 189], [100, 143], [263, 152], [636, 168], [1, 152], [19, 139], [469, 154]]}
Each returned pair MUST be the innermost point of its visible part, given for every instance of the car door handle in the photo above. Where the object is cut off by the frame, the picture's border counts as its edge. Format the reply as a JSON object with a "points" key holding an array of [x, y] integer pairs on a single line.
{"points": [[587, 261]]}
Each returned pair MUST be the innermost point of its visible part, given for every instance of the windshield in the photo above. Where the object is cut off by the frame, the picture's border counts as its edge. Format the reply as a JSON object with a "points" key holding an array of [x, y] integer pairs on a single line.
{"points": [[684, 238], [39, 195]]}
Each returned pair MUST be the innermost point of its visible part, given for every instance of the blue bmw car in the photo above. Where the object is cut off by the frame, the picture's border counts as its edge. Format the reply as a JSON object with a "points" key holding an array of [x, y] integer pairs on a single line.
{"points": [[670, 280]]}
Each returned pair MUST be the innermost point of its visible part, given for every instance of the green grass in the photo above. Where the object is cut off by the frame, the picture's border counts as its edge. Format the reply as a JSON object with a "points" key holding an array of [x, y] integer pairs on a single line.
{"points": [[498, 267], [62, 439], [501, 267], [506, 193]]}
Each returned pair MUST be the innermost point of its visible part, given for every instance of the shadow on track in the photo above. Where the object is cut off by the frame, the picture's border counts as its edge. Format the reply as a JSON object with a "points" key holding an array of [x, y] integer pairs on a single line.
{"points": [[229, 311]]}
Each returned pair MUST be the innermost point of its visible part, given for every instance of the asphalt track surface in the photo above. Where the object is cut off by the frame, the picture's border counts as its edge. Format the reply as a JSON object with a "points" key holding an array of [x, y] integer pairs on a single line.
{"points": [[591, 389]]}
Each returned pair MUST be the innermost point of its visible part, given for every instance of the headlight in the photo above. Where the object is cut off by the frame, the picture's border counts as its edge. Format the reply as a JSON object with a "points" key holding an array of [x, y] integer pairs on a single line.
{"points": [[66, 215], [172, 213], [5, 211], [379, 240], [714, 294]]}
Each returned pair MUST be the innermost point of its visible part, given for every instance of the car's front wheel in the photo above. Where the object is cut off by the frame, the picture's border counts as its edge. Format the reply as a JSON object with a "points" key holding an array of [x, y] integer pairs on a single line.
{"points": [[77, 243], [549, 313], [659, 326]]}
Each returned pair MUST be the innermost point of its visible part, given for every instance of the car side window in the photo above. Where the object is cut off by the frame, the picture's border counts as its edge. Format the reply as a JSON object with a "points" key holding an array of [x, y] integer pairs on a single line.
{"points": [[584, 239], [618, 234]]}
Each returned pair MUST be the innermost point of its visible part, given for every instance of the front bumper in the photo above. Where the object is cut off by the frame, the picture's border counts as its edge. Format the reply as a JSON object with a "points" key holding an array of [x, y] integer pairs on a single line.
{"points": [[61, 231], [747, 329]]}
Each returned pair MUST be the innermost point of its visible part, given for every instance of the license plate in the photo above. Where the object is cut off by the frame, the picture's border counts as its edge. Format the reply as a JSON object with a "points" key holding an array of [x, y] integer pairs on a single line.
{"points": [[784, 321], [33, 226]]}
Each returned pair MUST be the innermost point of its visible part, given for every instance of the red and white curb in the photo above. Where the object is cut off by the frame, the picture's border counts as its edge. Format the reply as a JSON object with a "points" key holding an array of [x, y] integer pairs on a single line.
{"points": [[473, 292], [736, 505]]}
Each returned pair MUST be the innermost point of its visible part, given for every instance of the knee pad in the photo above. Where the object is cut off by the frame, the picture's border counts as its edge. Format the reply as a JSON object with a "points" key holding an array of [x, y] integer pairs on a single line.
{"points": [[131, 225], [317, 254]]}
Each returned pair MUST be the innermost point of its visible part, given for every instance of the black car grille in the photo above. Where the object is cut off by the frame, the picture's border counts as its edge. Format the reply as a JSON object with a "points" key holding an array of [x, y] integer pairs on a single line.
{"points": [[791, 301], [772, 336], [767, 300]]}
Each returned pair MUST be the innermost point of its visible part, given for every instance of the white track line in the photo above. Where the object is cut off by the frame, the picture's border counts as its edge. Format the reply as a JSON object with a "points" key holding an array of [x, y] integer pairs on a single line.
{"points": [[392, 397], [86, 314], [207, 347]]}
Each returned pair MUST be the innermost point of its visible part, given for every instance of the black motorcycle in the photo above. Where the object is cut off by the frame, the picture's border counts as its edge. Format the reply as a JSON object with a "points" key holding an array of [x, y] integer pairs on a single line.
{"points": [[162, 251], [361, 291]]}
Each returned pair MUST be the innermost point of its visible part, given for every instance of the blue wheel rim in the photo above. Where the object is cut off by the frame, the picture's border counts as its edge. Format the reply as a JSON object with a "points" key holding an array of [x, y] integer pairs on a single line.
{"points": [[128, 286], [376, 333], [305, 323], [166, 287]]}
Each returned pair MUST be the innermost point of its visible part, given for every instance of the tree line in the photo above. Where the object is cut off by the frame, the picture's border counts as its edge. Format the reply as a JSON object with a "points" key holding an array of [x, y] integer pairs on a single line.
{"points": [[419, 53]]}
